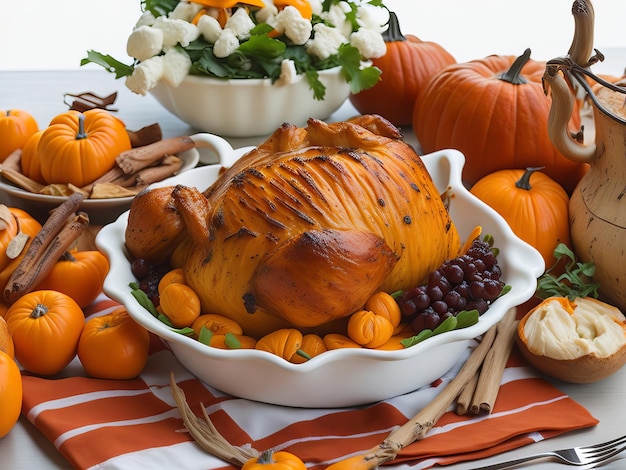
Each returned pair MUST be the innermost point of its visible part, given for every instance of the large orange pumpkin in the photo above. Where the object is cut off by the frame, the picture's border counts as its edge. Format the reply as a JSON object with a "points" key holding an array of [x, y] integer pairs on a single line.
{"points": [[45, 326], [10, 393], [533, 204], [494, 110], [407, 66], [79, 147], [16, 126]]}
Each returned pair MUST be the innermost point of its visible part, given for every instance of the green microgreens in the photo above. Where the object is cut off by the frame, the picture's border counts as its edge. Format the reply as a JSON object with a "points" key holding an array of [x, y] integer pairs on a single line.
{"points": [[575, 281]]}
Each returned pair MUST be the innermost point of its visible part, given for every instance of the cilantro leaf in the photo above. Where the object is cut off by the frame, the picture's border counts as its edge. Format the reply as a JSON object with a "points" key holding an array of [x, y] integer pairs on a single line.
{"points": [[158, 7], [359, 78], [109, 63]]}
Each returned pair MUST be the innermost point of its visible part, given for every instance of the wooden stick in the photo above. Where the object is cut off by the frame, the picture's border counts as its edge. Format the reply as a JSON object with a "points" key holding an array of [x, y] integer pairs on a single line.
{"points": [[464, 400], [492, 369], [418, 426]]}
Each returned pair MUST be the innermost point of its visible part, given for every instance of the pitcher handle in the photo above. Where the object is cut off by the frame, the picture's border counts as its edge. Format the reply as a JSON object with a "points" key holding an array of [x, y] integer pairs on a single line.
{"points": [[214, 149]]}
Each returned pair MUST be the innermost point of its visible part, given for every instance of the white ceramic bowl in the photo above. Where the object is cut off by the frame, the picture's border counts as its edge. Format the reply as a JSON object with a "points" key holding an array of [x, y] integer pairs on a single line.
{"points": [[343, 377], [209, 148], [250, 107]]}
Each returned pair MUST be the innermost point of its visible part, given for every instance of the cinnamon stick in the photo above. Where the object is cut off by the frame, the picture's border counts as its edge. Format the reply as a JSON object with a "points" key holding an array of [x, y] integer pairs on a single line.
{"points": [[133, 160], [493, 367], [39, 247]]}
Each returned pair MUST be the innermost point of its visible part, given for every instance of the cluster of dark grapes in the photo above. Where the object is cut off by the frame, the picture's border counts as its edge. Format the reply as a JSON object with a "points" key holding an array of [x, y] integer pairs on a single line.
{"points": [[470, 281], [148, 276]]}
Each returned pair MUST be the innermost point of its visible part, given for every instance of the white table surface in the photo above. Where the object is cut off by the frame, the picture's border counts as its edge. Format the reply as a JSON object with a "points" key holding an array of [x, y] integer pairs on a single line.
{"points": [[41, 93]]}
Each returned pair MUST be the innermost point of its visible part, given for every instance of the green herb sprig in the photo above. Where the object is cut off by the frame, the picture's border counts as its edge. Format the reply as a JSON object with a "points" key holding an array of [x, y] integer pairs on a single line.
{"points": [[575, 281]]}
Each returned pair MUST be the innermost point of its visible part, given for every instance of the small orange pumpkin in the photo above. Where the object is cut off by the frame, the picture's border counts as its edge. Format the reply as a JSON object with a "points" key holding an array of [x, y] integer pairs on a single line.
{"points": [[79, 274], [270, 460], [16, 127], [537, 213], [113, 346], [494, 110], [29, 161], [10, 393], [369, 329], [407, 66], [45, 326], [14, 220], [6, 341], [80, 147], [284, 342], [180, 304]]}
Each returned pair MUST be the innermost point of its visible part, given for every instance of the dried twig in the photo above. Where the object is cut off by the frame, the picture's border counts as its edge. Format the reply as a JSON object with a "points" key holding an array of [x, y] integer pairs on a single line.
{"points": [[206, 434]]}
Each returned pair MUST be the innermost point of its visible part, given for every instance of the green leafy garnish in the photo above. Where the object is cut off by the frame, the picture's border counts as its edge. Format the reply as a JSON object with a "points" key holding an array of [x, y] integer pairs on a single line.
{"points": [[575, 281], [261, 55], [463, 319], [108, 63]]}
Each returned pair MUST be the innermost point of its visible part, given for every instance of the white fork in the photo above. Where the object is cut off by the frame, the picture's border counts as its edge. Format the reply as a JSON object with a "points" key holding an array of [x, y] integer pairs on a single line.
{"points": [[578, 456]]}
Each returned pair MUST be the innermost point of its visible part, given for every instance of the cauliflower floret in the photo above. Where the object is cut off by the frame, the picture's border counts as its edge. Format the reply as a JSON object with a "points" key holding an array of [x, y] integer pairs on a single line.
{"points": [[226, 44], [266, 14], [185, 11], [287, 72], [209, 28], [144, 42], [176, 31], [316, 7], [146, 75], [336, 16], [146, 18], [240, 24], [326, 41], [366, 18], [290, 22], [176, 65], [370, 43]]}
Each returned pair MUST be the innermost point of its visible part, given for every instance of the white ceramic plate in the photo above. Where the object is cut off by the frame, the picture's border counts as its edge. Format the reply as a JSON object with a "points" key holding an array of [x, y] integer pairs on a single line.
{"points": [[343, 377], [103, 211]]}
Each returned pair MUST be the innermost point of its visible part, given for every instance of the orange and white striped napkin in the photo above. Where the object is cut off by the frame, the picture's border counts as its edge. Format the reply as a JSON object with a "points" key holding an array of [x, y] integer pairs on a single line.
{"points": [[129, 424]]}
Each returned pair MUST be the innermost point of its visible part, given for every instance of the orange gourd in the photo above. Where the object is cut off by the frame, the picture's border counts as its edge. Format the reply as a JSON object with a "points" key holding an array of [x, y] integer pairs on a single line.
{"points": [[339, 341], [6, 341], [383, 304], [78, 147], [407, 67], [10, 393], [79, 274], [12, 221], [312, 345], [45, 326], [284, 342], [113, 346], [270, 460], [534, 205], [216, 324], [16, 127], [369, 329], [180, 304], [494, 110], [29, 161]]}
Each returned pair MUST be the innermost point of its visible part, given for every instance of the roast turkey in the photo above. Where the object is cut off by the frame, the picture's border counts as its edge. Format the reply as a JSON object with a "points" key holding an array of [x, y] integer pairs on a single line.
{"points": [[301, 230]]}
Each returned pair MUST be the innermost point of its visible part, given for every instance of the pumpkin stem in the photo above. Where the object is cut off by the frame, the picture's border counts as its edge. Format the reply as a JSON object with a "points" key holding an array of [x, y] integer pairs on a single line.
{"points": [[266, 457], [393, 32], [39, 311], [514, 74], [524, 181], [81, 134], [67, 256], [303, 354]]}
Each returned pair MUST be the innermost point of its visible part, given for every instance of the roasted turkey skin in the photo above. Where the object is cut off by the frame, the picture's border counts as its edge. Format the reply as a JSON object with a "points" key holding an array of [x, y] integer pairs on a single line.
{"points": [[303, 229]]}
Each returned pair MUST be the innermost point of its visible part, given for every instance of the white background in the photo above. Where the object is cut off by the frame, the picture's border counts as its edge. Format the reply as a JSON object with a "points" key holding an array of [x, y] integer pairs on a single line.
{"points": [[53, 35]]}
